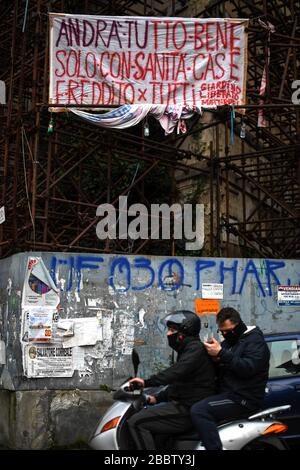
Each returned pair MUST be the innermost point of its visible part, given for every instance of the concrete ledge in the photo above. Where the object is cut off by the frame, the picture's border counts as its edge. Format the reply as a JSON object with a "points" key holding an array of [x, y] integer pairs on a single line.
{"points": [[4, 417], [47, 419]]}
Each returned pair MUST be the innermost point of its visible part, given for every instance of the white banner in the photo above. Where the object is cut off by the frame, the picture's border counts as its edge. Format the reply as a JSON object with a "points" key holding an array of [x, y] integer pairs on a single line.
{"points": [[103, 60]]}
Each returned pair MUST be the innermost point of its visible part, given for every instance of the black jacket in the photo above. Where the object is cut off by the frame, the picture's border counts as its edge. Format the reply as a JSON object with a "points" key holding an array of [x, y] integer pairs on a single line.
{"points": [[244, 367], [190, 379]]}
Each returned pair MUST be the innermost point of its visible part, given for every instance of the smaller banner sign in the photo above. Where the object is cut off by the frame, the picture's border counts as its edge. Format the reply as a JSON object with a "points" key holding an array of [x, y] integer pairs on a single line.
{"points": [[288, 295], [212, 291]]}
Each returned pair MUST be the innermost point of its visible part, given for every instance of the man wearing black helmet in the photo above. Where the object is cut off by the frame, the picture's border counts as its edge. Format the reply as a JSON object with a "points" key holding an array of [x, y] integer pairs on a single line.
{"points": [[189, 380]]}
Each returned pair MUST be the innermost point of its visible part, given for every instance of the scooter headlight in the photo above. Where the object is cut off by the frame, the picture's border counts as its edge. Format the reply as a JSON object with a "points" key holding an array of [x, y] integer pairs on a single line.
{"points": [[113, 423]]}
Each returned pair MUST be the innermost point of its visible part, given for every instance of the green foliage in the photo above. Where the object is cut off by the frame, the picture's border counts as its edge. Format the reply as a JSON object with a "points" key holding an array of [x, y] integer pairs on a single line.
{"points": [[105, 388]]}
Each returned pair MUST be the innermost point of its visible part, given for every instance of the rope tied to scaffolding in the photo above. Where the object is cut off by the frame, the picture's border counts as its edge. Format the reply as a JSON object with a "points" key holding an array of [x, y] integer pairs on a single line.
{"points": [[24, 140]]}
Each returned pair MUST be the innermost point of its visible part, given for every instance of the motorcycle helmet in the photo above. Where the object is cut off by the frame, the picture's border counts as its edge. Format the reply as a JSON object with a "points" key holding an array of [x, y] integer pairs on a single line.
{"points": [[184, 321]]}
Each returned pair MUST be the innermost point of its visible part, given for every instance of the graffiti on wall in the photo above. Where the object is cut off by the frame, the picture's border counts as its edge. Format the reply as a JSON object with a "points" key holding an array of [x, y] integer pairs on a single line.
{"points": [[110, 304], [139, 274]]}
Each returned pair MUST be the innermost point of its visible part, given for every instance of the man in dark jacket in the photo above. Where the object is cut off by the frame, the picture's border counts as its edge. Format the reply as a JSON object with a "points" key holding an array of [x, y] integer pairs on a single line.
{"points": [[243, 363], [191, 378]]}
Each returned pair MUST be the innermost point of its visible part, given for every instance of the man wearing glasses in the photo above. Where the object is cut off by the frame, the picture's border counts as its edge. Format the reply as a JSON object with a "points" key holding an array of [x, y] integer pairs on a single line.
{"points": [[242, 360]]}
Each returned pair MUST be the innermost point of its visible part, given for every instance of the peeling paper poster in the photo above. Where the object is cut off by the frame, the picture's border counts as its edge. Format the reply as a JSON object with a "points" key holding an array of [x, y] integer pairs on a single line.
{"points": [[39, 288], [87, 331], [65, 328], [78, 357], [40, 300], [48, 361]]}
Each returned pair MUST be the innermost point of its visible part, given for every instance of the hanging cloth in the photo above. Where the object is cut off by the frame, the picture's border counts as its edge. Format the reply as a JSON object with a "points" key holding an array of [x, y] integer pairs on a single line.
{"points": [[130, 115], [261, 122]]}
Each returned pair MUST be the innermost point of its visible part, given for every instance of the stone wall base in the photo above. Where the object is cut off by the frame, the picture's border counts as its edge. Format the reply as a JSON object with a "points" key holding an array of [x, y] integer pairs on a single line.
{"points": [[45, 419]]}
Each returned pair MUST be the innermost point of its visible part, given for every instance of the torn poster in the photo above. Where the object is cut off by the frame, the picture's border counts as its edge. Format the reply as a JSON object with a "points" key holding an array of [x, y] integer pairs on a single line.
{"points": [[78, 357], [87, 331], [39, 288], [40, 300], [65, 328], [48, 361]]}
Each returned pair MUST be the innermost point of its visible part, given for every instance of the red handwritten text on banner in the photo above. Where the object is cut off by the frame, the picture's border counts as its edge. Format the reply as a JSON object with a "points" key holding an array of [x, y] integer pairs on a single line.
{"points": [[117, 60]]}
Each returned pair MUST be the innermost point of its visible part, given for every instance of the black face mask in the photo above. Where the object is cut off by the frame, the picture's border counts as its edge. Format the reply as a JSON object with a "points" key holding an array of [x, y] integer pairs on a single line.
{"points": [[234, 335], [173, 341]]}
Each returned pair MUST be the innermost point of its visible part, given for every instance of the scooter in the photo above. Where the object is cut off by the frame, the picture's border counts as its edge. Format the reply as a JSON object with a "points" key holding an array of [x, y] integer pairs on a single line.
{"points": [[258, 432]]}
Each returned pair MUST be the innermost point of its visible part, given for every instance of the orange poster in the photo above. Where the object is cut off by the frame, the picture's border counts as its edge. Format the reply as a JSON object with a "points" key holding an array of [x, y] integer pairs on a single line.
{"points": [[207, 306]]}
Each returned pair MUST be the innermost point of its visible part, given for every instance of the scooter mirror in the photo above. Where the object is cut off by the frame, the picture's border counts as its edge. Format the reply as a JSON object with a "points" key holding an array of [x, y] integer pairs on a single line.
{"points": [[135, 361]]}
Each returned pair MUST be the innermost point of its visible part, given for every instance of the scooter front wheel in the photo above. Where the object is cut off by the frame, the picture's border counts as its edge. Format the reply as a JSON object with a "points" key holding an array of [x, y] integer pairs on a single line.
{"points": [[272, 443]]}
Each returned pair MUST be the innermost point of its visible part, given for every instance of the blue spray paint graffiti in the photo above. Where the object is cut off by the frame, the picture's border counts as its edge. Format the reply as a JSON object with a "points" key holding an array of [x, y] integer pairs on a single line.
{"points": [[200, 266], [125, 273], [251, 269], [179, 278], [144, 263], [81, 262], [123, 266], [229, 269], [271, 266]]}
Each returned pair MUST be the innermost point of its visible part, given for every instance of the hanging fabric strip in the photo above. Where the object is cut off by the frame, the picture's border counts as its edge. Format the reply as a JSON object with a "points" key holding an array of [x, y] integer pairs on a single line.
{"points": [[261, 122], [130, 115], [119, 118]]}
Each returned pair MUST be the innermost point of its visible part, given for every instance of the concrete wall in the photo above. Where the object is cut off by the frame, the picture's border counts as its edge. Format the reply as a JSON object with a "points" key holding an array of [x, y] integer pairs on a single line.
{"points": [[4, 417], [129, 295], [44, 419]]}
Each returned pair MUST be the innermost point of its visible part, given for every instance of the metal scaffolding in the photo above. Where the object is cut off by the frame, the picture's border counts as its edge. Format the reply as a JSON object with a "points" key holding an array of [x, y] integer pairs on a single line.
{"points": [[51, 184]]}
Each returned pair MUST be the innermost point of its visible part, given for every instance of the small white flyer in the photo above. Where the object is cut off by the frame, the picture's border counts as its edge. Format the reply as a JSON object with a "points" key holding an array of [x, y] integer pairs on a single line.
{"points": [[212, 291]]}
